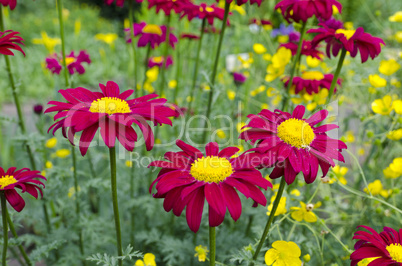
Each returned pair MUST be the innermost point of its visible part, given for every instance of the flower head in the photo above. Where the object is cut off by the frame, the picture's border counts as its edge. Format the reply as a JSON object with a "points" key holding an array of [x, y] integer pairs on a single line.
{"points": [[168, 5], [203, 11], [159, 61], [110, 111], [47, 41], [307, 49], [23, 179], [239, 78], [351, 40], [151, 34], [397, 17], [201, 252], [189, 177], [11, 3], [10, 41], [377, 82], [108, 38], [302, 10], [383, 248], [74, 62], [312, 82], [281, 209], [389, 67], [283, 253], [382, 106], [149, 260], [305, 212], [38, 109], [293, 144]]}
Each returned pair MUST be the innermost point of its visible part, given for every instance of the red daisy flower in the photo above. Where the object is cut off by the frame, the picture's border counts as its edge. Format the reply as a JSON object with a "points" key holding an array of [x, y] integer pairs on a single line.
{"points": [[9, 40], [151, 34], [203, 11], [379, 249], [293, 144], [23, 179], [110, 111], [189, 36], [239, 78], [307, 49], [168, 5], [262, 22], [11, 3], [351, 40], [302, 10], [312, 82], [160, 61], [189, 177], [73, 62]]}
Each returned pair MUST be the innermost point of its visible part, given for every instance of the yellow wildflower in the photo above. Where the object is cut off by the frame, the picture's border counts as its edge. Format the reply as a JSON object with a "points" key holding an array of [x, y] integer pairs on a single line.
{"points": [[220, 133], [376, 188], [48, 42], [377, 81], [201, 252], [283, 39], [48, 164], [63, 153], [397, 17], [398, 36], [108, 38], [396, 165], [382, 106], [239, 127], [281, 58], [149, 260], [129, 163], [340, 173], [396, 83], [312, 61], [281, 206], [366, 261], [283, 253], [389, 67], [51, 143], [295, 192], [388, 173], [305, 212], [267, 57], [264, 106], [231, 94], [395, 134], [259, 48], [397, 105], [152, 74], [274, 73], [172, 84]]}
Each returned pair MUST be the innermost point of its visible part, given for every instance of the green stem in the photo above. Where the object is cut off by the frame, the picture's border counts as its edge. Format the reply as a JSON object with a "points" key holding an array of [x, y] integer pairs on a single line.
{"points": [[195, 74], [315, 193], [146, 68], [5, 228], [15, 97], [131, 18], [92, 191], [212, 246], [270, 219], [20, 247], [165, 54], [360, 170], [215, 68], [132, 216], [46, 214], [337, 72], [112, 153], [290, 232], [178, 67], [295, 65], [63, 47], [337, 238]]}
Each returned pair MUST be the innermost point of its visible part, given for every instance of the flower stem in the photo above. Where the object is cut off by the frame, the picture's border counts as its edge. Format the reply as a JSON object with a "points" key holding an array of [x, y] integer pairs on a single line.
{"points": [[337, 72], [63, 47], [197, 60], [20, 247], [212, 245], [5, 228], [131, 18], [296, 61], [165, 54], [178, 66], [15, 96], [215, 68], [270, 219], [112, 153], [132, 216]]}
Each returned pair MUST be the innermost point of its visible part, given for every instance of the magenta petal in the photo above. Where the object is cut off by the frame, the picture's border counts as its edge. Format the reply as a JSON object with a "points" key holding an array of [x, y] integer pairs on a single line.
{"points": [[190, 150], [86, 138], [232, 200], [108, 131], [228, 152], [215, 199], [215, 218], [15, 200], [212, 149], [194, 210]]}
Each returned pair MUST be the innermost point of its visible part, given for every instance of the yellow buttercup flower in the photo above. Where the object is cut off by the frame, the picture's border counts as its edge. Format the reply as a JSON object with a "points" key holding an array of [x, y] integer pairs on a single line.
{"points": [[274, 73], [77, 27], [396, 165], [152, 74], [281, 58], [259, 48], [382, 106], [395, 134], [340, 173], [63, 153], [283, 38], [149, 260], [246, 63], [220, 133], [108, 38], [389, 67], [48, 164], [51, 143], [376, 188], [172, 84], [283, 253], [396, 83], [267, 57], [48, 42], [129, 163], [398, 36], [312, 61], [377, 81], [231, 94], [397, 17], [281, 206], [388, 173], [397, 105], [295, 192], [305, 212], [201, 252]]}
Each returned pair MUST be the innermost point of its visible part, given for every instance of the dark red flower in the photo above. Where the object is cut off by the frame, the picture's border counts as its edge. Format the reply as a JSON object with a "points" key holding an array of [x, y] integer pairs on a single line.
{"points": [[293, 144], [312, 82], [351, 40], [239, 78], [378, 249], [8, 41], [73, 62], [160, 61], [151, 34], [168, 5], [189, 177], [119, 3], [307, 49], [189, 36], [110, 111], [203, 11], [23, 179], [38, 109], [302, 10], [11, 3]]}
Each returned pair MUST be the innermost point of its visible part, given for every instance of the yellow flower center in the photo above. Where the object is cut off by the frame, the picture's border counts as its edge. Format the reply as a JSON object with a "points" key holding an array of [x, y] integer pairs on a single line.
{"points": [[395, 251], [209, 9], [153, 29], [158, 59], [296, 132], [313, 75], [201, 9], [7, 180], [69, 60], [347, 33], [109, 105], [211, 169]]}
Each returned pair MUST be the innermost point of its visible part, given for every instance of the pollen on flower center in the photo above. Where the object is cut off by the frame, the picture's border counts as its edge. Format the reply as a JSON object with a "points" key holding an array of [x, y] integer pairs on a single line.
{"points": [[347, 33], [152, 28], [395, 252], [313, 75], [158, 59], [69, 60], [211, 169], [7, 180], [110, 105], [209, 9], [296, 132]]}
